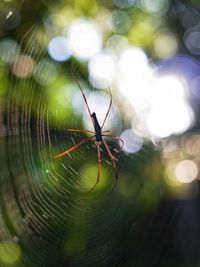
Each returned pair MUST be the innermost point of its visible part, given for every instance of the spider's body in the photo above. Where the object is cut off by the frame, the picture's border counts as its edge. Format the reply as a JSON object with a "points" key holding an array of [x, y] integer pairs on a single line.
{"points": [[97, 128], [99, 135]]}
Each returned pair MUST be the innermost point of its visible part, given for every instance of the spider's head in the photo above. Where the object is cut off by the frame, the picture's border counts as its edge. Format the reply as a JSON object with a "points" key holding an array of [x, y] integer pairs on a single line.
{"points": [[93, 115]]}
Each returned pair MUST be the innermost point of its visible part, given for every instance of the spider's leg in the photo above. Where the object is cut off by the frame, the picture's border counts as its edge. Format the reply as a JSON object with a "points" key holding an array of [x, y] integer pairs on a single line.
{"points": [[73, 147], [109, 107], [99, 166], [112, 159], [82, 131], [117, 138], [115, 150], [106, 132], [84, 97]]}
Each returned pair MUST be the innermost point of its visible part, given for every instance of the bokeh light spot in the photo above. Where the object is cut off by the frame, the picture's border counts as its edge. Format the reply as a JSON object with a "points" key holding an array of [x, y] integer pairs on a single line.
{"points": [[190, 18], [186, 171], [192, 41], [143, 33], [102, 68], [10, 253], [59, 48], [165, 45], [9, 49], [85, 39], [160, 6], [132, 61], [120, 21], [12, 20], [23, 66], [132, 142], [192, 145], [117, 43], [169, 111]]}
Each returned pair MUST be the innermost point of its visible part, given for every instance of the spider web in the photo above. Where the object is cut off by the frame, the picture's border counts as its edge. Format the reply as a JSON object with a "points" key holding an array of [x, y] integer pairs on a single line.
{"points": [[45, 207]]}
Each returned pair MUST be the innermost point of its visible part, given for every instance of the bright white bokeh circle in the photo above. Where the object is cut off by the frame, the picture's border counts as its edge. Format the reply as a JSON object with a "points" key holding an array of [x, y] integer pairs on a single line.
{"points": [[84, 38]]}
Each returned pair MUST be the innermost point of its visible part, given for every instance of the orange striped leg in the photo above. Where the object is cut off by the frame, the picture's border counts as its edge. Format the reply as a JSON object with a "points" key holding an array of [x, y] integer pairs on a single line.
{"points": [[73, 147], [80, 130], [112, 158], [117, 138], [99, 166]]}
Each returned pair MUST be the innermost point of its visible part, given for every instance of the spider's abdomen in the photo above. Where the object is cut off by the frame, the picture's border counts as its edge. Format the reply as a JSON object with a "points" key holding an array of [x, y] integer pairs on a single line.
{"points": [[97, 128]]}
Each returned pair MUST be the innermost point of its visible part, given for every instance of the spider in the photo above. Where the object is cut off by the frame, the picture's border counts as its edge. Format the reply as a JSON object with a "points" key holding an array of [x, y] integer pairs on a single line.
{"points": [[99, 135]]}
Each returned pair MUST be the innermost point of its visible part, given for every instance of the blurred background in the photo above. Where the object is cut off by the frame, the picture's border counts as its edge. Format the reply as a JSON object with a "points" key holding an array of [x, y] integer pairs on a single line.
{"points": [[147, 52]]}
